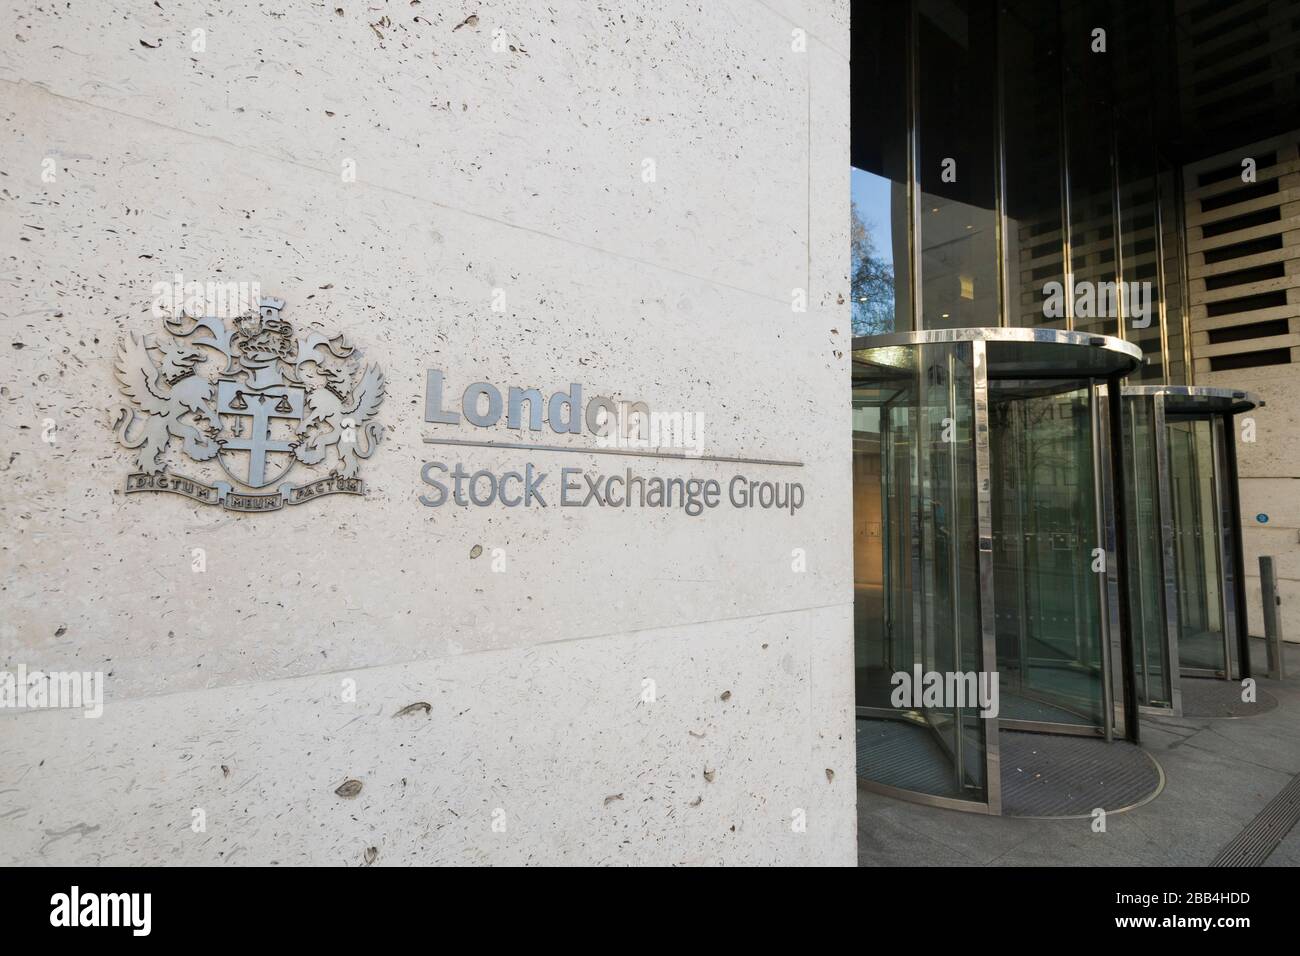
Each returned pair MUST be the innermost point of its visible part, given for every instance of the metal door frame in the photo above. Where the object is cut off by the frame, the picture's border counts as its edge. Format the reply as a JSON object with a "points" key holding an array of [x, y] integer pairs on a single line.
{"points": [[1166, 559], [1234, 527], [984, 542], [1227, 612]]}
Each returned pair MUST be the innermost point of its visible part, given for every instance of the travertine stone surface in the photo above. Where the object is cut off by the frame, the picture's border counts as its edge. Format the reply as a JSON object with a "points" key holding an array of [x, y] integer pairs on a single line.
{"points": [[477, 170], [554, 745], [1269, 469]]}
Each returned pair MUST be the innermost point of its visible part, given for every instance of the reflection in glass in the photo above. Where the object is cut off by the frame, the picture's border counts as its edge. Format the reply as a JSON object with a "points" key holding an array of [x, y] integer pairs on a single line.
{"points": [[957, 123], [1036, 162], [1135, 172], [1031, 81], [1140, 254], [1172, 293], [1092, 187], [880, 278], [877, 241]]}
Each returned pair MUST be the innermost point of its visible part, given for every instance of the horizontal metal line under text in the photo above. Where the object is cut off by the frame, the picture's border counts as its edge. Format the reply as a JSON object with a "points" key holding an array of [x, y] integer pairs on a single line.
{"points": [[675, 455]]}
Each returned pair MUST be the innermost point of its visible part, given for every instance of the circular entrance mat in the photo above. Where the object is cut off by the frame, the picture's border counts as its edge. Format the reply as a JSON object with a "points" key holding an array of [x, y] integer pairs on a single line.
{"points": [[1049, 775], [1205, 697]]}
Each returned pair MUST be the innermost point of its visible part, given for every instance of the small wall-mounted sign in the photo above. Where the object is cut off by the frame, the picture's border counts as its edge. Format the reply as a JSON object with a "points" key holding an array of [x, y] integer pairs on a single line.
{"points": [[1261, 518]]}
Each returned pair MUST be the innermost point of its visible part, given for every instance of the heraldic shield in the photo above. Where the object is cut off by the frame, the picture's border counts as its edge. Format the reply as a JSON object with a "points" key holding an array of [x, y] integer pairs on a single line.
{"points": [[265, 423], [255, 397]]}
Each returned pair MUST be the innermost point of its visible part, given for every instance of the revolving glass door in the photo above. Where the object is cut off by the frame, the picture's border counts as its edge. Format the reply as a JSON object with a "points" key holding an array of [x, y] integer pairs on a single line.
{"points": [[985, 577], [1185, 538]]}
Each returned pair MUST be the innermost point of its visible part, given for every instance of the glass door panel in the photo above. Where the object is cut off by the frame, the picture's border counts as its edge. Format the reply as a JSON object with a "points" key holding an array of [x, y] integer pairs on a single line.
{"points": [[1146, 549], [1049, 629], [917, 583], [1197, 544]]}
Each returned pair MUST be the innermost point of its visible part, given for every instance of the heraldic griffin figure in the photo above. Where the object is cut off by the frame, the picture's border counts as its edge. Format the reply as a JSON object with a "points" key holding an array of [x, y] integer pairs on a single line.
{"points": [[162, 395], [349, 414]]}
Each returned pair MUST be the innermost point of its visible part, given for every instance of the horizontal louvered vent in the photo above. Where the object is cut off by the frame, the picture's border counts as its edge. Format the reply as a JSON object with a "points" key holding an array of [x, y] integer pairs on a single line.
{"points": [[1243, 257]]}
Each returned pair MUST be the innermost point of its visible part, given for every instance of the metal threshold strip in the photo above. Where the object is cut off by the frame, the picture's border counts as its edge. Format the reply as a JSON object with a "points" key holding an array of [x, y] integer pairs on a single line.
{"points": [[1252, 846]]}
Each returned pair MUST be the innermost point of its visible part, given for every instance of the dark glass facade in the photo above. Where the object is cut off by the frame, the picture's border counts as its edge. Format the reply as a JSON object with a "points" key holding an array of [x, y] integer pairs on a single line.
{"points": [[1010, 169], [1055, 507]]}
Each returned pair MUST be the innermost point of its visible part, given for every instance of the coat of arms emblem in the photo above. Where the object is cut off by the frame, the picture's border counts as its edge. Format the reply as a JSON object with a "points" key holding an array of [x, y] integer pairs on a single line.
{"points": [[248, 399]]}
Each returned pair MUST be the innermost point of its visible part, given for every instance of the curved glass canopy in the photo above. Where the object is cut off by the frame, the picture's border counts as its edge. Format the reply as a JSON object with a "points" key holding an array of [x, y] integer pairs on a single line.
{"points": [[1189, 609], [987, 585]]}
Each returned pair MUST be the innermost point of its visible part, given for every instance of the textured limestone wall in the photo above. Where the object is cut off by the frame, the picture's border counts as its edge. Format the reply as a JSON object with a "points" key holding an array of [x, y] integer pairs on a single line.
{"points": [[1269, 471], [497, 149]]}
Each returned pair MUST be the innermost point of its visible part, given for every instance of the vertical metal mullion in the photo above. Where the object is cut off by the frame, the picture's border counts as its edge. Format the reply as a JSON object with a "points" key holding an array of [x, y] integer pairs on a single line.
{"points": [[1157, 197], [984, 513], [1122, 584], [897, 563], [886, 569], [1227, 602], [921, 606], [1019, 440], [1067, 252], [1000, 180], [1239, 578], [1117, 228], [1216, 507], [954, 565], [1168, 555], [1140, 557], [1103, 597], [914, 165], [1117, 208], [1180, 210]]}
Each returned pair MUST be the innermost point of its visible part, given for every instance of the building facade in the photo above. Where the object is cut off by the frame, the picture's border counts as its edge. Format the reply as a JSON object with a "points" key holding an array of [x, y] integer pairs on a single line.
{"points": [[427, 437], [631, 203]]}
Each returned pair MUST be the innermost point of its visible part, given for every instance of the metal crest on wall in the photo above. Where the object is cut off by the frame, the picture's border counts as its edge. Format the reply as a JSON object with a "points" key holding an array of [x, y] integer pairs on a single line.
{"points": [[248, 403]]}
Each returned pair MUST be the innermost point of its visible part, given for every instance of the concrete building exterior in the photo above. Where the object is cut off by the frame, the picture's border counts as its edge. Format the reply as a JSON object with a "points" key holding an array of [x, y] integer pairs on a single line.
{"points": [[648, 201]]}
